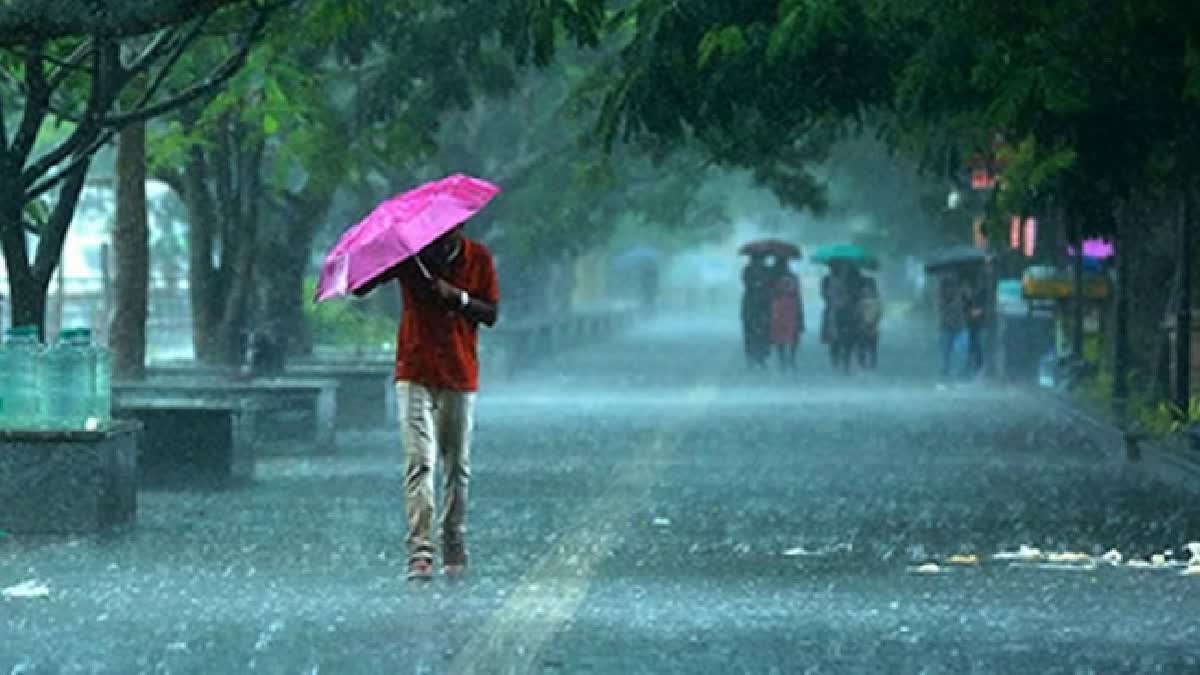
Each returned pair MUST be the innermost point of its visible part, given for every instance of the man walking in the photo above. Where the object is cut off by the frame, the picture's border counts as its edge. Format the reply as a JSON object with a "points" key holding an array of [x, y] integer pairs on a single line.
{"points": [[448, 290]]}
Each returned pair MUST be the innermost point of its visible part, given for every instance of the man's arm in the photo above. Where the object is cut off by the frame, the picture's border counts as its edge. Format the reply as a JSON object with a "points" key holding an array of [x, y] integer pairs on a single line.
{"points": [[378, 281], [475, 309]]}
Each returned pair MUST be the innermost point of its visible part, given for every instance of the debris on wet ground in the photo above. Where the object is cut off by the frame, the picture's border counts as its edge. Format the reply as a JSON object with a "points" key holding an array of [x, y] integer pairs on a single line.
{"points": [[1081, 566], [1031, 557], [31, 589], [804, 552], [1025, 553], [1069, 557]]}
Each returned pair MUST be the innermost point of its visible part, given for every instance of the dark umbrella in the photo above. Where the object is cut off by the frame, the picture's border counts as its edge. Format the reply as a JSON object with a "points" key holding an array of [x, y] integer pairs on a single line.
{"points": [[775, 247], [849, 253], [955, 258]]}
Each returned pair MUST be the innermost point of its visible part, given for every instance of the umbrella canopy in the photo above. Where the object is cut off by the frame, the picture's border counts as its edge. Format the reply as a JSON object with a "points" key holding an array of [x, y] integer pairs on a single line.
{"points": [[955, 258], [775, 247], [850, 253], [398, 229]]}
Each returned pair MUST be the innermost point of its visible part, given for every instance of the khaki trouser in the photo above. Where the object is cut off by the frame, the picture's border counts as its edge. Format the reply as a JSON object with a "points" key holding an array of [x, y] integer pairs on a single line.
{"points": [[436, 423]]}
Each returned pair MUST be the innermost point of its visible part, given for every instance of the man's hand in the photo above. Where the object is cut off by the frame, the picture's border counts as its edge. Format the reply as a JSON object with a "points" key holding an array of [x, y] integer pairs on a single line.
{"points": [[474, 309], [449, 293]]}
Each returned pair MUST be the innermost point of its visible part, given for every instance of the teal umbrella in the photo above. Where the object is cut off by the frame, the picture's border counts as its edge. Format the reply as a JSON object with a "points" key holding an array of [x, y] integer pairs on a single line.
{"points": [[851, 253]]}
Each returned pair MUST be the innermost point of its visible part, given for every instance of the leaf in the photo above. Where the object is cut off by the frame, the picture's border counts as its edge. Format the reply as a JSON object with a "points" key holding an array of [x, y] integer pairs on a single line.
{"points": [[724, 42], [270, 125]]}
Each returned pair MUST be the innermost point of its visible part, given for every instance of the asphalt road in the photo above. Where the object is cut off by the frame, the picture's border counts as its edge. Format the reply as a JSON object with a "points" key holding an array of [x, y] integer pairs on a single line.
{"points": [[647, 506]]}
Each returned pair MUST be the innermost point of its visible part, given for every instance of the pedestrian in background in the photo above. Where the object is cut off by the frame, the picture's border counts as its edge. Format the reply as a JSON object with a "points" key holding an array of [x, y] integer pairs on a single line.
{"points": [[787, 312]]}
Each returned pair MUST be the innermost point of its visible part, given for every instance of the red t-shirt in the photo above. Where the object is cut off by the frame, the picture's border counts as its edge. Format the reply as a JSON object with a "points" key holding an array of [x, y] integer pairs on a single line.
{"points": [[437, 346]]}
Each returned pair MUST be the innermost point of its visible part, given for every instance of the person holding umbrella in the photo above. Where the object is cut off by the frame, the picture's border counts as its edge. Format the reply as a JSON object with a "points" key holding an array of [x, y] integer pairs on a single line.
{"points": [[787, 312], [758, 297], [756, 310], [449, 287]]}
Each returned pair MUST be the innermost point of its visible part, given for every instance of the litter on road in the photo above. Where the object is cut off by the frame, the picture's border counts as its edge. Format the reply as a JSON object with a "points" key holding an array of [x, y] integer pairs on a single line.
{"points": [[26, 590]]}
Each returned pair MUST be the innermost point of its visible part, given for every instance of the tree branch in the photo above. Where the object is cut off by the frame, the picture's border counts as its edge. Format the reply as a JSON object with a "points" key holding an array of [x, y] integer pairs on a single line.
{"points": [[30, 21], [87, 128], [179, 44], [72, 63], [49, 250], [211, 84], [3, 129], [83, 157], [37, 101], [101, 99]]}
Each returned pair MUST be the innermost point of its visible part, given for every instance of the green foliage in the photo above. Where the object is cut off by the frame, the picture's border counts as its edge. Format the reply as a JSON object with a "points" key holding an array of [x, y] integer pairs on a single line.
{"points": [[1164, 417], [1029, 170], [725, 43], [346, 323]]}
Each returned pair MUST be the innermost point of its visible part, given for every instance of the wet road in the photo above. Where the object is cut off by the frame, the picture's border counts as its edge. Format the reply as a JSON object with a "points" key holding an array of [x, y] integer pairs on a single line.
{"points": [[647, 507]]}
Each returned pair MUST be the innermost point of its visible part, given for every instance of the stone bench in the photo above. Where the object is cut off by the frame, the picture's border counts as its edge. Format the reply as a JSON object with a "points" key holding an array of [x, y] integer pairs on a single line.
{"points": [[68, 482], [366, 395], [192, 441], [293, 413]]}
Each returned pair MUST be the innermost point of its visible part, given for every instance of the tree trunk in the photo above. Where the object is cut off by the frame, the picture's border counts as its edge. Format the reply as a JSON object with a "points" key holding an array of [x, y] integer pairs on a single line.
{"points": [[1183, 322], [132, 247], [220, 253], [1121, 349], [1077, 296], [204, 283], [283, 257], [23, 309], [28, 300], [29, 280]]}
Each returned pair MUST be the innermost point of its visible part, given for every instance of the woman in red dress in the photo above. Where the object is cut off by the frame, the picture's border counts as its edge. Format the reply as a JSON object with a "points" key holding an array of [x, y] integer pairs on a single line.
{"points": [[787, 313]]}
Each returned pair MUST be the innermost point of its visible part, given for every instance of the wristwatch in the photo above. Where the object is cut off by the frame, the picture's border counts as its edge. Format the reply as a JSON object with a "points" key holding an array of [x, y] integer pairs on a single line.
{"points": [[464, 299]]}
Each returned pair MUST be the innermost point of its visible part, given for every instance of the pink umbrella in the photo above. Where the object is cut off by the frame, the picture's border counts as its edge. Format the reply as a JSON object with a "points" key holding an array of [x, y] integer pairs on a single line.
{"points": [[398, 229]]}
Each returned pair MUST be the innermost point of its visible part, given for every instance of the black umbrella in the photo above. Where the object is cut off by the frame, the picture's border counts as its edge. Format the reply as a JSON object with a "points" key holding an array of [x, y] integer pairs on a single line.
{"points": [[955, 258]]}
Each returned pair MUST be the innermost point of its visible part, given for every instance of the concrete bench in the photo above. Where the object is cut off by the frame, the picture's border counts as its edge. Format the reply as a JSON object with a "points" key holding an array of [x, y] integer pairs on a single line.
{"points": [[68, 482], [366, 395], [192, 441], [288, 412]]}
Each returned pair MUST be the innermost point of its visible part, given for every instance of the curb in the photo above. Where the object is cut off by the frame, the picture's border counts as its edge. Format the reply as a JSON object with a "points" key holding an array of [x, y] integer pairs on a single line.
{"points": [[1169, 459]]}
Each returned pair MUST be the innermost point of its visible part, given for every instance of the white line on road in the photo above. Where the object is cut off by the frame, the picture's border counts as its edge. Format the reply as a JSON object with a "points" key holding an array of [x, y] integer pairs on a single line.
{"points": [[551, 592]]}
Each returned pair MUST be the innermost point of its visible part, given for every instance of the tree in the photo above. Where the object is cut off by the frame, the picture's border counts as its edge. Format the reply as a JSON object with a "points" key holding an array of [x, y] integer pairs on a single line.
{"points": [[767, 86], [97, 84], [127, 337], [563, 195], [339, 108]]}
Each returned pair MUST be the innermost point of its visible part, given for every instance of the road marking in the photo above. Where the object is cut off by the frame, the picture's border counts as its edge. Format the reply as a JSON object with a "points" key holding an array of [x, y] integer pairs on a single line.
{"points": [[550, 593]]}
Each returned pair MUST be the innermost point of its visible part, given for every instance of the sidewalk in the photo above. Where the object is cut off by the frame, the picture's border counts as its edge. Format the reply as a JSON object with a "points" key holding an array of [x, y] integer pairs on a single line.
{"points": [[1168, 458]]}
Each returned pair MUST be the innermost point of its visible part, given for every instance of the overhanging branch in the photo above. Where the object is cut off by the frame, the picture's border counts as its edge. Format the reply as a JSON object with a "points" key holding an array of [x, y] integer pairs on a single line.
{"points": [[93, 133], [25, 22], [210, 85]]}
